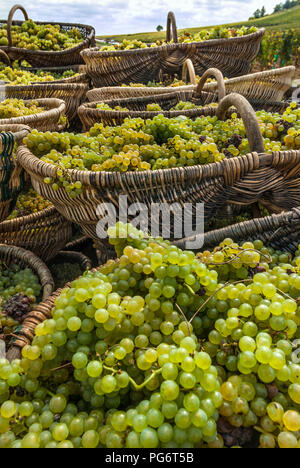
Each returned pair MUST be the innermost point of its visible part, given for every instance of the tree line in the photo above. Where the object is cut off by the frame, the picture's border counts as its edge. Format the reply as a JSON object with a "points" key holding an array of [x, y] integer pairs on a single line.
{"points": [[260, 13]]}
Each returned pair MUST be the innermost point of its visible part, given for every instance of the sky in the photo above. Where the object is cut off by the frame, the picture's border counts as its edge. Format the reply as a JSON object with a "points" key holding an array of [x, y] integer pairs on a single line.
{"points": [[132, 16]]}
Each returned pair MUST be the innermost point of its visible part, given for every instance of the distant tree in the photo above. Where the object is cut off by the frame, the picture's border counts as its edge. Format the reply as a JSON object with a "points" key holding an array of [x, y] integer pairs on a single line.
{"points": [[256, 14], [159, 27], [278, 8], [262, 12]]}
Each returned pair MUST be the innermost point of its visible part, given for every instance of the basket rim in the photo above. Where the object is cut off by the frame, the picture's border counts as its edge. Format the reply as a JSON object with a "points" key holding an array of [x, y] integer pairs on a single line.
{"points": [[190, 87], [48, 85], [50, 53], [13, 224], [94, 52], [106, 179]]}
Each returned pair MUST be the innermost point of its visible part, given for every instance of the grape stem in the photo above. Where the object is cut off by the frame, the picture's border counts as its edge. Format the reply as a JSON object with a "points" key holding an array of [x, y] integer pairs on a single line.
{"points": [[136, 386]]}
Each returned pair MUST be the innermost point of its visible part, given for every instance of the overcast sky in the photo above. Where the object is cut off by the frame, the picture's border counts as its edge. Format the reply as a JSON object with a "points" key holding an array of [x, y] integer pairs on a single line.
{"points": [[130, 16]]}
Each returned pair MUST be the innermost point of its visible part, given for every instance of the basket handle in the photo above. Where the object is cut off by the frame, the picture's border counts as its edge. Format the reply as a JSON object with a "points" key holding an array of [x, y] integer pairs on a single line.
{"points": [[220, 83], [188, 68], [249, 119], [4, 57], [10, 18], [171, 28]]}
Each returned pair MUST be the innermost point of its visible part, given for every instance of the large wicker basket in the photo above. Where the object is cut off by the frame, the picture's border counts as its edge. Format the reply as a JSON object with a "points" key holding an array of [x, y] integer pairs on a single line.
{"points": [[273, 178], [12, 254], [268, 85], [112, 68], [43, 233], [73, 94], [11, 174], [137, 106], [48, 120], [42, 58], [280, 231]]}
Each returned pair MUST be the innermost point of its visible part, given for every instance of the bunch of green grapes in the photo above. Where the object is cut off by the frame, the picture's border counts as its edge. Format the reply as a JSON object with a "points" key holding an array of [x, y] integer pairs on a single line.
{"points": [[103, 106], [11, 108], [41, 37], [19, 291], [29, 203], [158, 143], [15, 76]]}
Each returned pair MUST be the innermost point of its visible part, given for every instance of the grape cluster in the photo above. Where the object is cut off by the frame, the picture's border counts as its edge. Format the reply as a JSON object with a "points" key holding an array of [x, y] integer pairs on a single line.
{"points": [[19, 290], [28, 203], [11, 108], [41, 37], [14, 76]]}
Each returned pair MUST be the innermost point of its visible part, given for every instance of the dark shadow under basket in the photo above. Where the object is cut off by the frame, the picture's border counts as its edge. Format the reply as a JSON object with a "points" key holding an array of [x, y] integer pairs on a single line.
{"points": [[44, 233], [42, 58]]}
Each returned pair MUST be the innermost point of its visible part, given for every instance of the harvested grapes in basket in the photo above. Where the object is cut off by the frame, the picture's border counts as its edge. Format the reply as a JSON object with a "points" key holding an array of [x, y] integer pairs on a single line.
{"points": [[164, 349], [28, 203], [14, 76], [41, 37], [11, 108], [204, 35], [159, 143]]}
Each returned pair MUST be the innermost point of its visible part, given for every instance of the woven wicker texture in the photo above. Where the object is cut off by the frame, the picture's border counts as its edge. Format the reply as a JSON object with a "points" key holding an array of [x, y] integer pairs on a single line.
{"points": [[73, 94], [48, 120], [232, 57], [43, 233], [241, 180], [11, 174], [42, 58], [264, 86], [280, 231], [137, 106]]}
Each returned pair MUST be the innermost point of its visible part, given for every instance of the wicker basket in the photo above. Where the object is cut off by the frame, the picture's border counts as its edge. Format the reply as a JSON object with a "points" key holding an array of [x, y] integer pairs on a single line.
{"points": [[279, 231], [11, 254], [270, 85], [43, 233], [89, 114], [73, 94], [11, 174], [243, 180], [41, 58], [47, 120], [112, 68]]}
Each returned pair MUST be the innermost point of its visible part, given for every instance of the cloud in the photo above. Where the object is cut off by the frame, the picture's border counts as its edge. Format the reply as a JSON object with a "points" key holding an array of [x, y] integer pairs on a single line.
{"points": [[130, 16]]}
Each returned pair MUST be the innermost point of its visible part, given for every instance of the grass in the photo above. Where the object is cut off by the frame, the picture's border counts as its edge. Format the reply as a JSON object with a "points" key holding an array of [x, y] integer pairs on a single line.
{"points": [[279, 21]]}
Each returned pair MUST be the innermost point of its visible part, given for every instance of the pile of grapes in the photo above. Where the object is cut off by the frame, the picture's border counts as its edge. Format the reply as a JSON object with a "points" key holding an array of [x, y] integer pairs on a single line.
{"points": [[19, 291], [203, 35], [15, 76], [29, 203], [163, 349], [159, 143], [41, 37], [11, 108]]}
